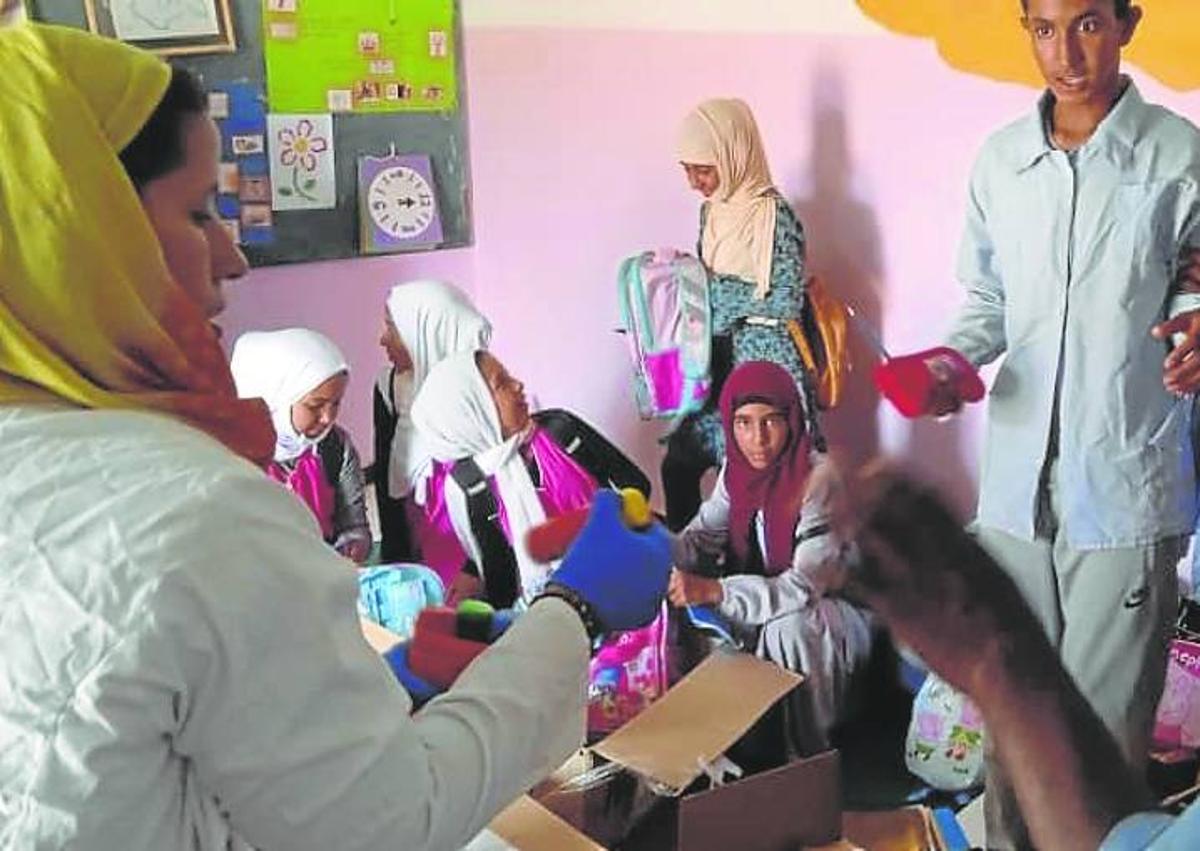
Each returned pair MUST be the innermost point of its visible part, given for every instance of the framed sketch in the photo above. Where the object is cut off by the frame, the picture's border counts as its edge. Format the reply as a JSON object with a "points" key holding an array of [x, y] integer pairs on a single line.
{"points": [[168, 27]]}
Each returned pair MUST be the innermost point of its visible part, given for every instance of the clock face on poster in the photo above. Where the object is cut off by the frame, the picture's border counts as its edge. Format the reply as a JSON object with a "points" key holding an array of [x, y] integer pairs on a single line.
{"points": [[401, 202]]}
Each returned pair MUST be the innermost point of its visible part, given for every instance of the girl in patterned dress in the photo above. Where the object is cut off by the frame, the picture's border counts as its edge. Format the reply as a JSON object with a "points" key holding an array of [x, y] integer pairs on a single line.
{"points": [[753, 247]]}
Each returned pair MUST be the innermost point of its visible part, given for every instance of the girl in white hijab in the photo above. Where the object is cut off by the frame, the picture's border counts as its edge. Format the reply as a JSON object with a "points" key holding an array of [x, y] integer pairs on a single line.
{"points": [[471, 409], [424, 322], [754, 249], [302, 376]]}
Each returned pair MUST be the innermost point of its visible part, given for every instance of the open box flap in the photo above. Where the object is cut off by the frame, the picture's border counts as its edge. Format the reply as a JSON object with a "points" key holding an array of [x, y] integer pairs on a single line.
{"points": [[721, 818], [529, 826], [699, 719]]}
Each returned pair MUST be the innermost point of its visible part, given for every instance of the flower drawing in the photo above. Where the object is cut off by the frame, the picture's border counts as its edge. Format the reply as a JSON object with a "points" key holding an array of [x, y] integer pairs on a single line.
{"points": [[299, 148]]}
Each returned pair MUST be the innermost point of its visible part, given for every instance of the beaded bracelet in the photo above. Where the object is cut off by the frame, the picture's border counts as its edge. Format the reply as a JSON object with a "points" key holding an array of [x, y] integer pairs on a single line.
{"points": [[581, 606]]}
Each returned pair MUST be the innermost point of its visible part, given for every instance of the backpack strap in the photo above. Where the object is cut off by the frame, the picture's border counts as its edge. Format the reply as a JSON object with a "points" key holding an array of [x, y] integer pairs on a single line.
{"points": [[813, 415], [809, 364], [564, 428], [633, 325], [629, 277], [607, 464], [499, 569], [332, 452]]}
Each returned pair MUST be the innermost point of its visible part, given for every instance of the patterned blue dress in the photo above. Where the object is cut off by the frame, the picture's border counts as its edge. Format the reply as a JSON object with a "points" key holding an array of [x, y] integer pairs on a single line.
{"points": [[739, 336]]}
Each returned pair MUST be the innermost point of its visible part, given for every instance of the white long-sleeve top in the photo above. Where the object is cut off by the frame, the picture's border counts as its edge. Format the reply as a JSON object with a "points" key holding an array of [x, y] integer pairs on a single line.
{"points": [[818, 560], [182, 665]]}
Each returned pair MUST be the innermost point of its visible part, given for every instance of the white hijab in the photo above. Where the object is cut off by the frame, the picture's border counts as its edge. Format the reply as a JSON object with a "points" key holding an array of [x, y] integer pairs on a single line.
{"points": [[433, 320], [281, 367], [457, 418]]}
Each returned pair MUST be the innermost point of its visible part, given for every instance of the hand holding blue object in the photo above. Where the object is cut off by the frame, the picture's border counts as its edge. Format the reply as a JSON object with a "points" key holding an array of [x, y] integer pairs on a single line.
{"points": [[418, 689], [707, 619], [621, 573]]}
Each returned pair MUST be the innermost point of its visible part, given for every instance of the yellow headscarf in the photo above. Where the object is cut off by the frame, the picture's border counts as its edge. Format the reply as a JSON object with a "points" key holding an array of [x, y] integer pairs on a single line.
{"points": [[739, 232], [89, 313]]}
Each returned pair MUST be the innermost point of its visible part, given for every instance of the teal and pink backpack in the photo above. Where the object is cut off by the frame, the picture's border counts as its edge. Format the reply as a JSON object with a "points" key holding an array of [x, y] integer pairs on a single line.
{"points": [[667, 322]]}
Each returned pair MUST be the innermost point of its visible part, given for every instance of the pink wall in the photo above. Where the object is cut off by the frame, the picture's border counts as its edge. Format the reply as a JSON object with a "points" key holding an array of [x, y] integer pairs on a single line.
{"points": [[571, 143]]}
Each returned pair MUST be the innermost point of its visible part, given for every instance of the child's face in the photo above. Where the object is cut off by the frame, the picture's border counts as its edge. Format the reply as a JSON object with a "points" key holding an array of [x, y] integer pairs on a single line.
{"points": [[761, 432], [508, 393], [702, 178], [1077, 45], [317, 410], [393, 345]]}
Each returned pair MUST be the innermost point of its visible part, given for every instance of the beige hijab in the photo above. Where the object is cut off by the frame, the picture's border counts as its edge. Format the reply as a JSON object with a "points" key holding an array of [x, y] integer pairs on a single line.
{"points": [[739, 232]]}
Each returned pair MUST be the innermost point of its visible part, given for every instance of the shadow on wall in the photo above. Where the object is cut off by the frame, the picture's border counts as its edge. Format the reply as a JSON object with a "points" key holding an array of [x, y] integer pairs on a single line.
{"points": [[844, 250]]}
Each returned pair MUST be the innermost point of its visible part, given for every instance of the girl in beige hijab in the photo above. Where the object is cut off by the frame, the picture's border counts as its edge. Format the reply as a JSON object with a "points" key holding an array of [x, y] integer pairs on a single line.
{"points": [[753, 246]]}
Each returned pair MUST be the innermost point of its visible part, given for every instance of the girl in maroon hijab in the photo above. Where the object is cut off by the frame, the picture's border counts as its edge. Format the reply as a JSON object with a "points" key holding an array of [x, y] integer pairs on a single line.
{"points": [[765, 532]]}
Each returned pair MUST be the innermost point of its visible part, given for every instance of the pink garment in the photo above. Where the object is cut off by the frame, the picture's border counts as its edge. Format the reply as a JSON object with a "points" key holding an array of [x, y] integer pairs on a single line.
{"points": [[432, 530], [307, 480], [565, 486]]}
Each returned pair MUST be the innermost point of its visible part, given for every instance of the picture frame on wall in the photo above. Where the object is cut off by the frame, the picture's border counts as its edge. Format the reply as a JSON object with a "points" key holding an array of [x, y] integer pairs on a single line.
{"points": [[12, 12], [166, 27]]}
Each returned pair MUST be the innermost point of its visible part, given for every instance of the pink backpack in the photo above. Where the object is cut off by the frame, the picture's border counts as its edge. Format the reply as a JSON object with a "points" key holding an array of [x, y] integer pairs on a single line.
{"points": [[667, 322], [626, 675]]}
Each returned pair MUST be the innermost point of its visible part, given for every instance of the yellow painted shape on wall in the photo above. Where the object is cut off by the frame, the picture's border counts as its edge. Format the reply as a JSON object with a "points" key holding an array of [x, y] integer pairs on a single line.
{"points": [[985, 37]]}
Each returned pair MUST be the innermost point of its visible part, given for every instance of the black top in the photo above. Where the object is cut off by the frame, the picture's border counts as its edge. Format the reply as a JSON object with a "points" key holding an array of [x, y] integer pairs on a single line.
{"points": [[397, 542]]}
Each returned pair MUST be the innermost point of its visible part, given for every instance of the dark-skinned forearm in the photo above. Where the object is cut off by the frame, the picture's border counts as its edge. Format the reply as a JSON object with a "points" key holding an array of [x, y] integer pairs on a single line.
{"points": [[1071, 780]]}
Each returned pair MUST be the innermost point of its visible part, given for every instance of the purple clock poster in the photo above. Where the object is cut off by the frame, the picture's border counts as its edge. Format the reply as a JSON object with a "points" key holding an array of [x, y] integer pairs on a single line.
{"points": [[398, 209]]}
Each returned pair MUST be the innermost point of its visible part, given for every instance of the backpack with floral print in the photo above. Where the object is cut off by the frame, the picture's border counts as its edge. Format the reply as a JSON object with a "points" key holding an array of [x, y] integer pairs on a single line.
{"points": [[945, 739]]}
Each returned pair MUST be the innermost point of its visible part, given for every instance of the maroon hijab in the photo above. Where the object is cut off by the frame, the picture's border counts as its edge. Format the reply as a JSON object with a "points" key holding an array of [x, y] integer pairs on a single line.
{"points": [[778, 490]]}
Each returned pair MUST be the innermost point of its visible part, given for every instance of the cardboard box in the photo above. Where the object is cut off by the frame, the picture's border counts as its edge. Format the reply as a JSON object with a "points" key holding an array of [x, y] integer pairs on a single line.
{"points": [[650, 799], [905, 829], [528, 826]]}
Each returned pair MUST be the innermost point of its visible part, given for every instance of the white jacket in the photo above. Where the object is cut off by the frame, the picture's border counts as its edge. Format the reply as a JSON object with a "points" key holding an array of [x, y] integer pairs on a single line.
{"points": [[182, 666]]}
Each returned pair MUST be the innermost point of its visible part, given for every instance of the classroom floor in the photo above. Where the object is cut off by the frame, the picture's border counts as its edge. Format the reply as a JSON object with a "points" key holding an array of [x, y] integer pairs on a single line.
{"points": [[872, 748], [872, 743]]}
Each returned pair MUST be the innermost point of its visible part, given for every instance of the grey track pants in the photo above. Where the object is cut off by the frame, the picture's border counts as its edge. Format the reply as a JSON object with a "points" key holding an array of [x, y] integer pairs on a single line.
{"points": [[1109, 613]]}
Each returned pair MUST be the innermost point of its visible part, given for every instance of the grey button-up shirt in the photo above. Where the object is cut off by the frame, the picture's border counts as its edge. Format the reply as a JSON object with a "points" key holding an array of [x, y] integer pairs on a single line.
{"points": [[1068, 261]]}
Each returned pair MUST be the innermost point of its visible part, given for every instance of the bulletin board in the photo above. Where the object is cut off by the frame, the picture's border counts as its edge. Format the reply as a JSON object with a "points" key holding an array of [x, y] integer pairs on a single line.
{"points": [[409, 110]]}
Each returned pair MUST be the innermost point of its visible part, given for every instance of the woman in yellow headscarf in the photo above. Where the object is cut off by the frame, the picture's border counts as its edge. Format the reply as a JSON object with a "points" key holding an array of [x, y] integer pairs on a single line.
{"points": [[753, 247], [183, 666]]}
